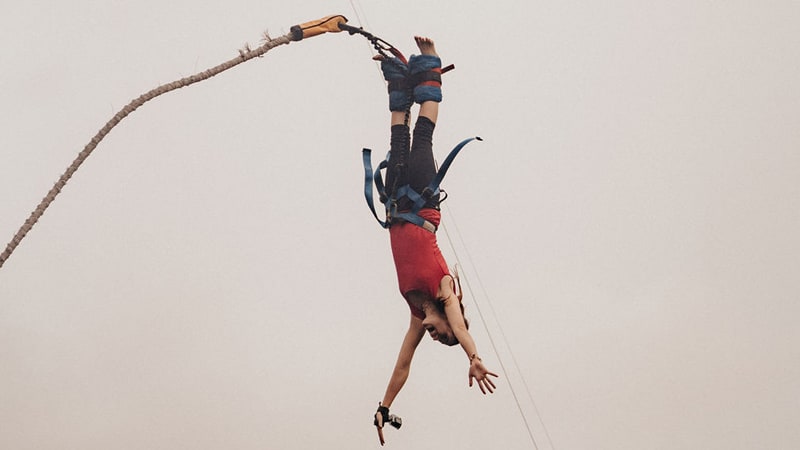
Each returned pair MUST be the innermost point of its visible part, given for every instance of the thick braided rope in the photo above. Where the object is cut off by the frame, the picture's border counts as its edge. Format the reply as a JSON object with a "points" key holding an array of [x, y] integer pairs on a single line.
{"points": [[244, 55]]}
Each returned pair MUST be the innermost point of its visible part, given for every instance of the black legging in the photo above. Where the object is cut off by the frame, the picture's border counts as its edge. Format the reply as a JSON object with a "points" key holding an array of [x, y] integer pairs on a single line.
{"points": [[411, 162]]}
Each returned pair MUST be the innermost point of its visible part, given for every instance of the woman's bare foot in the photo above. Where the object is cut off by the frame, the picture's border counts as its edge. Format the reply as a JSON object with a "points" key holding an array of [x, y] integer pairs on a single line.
{"points": [[425, 45]]}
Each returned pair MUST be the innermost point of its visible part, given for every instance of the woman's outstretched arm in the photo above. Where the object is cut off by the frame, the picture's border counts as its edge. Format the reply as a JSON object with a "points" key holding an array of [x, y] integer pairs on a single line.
{"points": [[477, 371], [403, 365], [400, 373]]}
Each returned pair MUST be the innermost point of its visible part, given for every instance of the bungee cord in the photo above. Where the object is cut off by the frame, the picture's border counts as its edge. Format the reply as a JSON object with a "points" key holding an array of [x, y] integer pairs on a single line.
{"points": [[244, 55], [298, 32]]}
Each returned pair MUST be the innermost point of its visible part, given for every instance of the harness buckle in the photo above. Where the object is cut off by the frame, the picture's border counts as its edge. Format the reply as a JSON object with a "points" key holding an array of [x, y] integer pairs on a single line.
{"points": [[391, 211], [428, 193]]}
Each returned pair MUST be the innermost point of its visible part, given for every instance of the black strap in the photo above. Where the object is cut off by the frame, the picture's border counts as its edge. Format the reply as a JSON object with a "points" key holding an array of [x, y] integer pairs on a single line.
{"points": [[384, 412], [428, 75]]}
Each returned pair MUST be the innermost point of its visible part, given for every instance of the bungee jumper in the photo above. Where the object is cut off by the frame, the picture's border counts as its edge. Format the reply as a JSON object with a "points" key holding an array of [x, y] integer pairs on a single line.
{"points": [[412, 196]]}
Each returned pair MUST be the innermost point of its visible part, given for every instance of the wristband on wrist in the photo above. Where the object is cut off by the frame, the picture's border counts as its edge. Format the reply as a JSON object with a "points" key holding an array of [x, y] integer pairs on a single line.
{"points": [[473, 357], [386, 418], [384, 412]]}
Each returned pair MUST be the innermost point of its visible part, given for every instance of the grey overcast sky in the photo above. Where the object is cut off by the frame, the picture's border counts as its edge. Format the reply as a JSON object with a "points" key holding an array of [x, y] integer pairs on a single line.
{"points": [[211, 277]]}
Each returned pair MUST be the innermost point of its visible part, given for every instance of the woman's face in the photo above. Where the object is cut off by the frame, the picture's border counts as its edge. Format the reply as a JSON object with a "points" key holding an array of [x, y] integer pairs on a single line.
{"points": [[439, 329]]}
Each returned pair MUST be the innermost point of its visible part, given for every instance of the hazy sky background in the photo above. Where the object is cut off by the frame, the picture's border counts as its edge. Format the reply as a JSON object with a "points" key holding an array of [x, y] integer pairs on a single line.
{"points": [[211, 277]]}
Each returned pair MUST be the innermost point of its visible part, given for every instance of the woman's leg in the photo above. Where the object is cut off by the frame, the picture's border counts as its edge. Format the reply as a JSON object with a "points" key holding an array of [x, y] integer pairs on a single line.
{"points": [[399, 146], [421, 164], [399, 117], [431, 91], [412, 162]]}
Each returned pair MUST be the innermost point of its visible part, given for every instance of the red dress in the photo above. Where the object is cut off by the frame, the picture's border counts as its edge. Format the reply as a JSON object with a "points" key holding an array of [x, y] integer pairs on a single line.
{"points": [[417, 258]]}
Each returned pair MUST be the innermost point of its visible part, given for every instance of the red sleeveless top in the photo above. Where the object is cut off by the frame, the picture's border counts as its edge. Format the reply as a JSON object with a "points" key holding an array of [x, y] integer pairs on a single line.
{"points": [[417, 258]]}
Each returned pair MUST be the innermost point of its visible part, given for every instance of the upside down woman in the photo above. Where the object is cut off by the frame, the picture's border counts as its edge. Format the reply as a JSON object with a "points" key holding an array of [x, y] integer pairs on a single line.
{"points": [[422, 273]]}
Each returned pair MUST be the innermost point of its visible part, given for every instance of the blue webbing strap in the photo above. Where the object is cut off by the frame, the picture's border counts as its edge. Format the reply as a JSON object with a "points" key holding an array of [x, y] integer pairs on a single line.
{"points": [[417, 199], [368, 180], [433, 187], [417, 203]]}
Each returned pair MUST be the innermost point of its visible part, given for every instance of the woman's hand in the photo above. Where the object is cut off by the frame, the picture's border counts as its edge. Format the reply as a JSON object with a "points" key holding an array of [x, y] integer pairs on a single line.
{"points": [[379, 425], [480, 373]]}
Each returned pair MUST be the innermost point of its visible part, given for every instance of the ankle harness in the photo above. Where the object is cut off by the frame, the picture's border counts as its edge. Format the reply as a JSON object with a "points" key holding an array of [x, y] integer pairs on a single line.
{"points": [[417, 199]]}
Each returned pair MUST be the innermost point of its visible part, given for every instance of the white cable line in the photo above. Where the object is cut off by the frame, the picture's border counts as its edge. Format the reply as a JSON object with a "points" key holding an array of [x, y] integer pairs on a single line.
{"points": [[362, 24], [494, 313], [491, 341], [358, 16]]}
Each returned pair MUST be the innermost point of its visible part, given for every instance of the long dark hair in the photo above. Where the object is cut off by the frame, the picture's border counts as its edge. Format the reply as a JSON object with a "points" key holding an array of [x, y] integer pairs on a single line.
{"points": [[440, 308]]}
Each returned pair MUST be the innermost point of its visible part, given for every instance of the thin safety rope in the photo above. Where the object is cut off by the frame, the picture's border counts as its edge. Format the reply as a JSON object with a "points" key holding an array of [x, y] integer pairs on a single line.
{"points": [[364, 24], [502, 333], [244, 55], [377, 66], [358, 16]]}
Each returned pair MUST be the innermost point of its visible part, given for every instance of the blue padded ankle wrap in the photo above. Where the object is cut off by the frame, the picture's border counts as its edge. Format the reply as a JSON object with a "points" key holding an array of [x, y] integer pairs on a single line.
{"points": [[427, 94], [393, 69], [423, 63], [396, 73], [419, 64], [400, 100]]}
